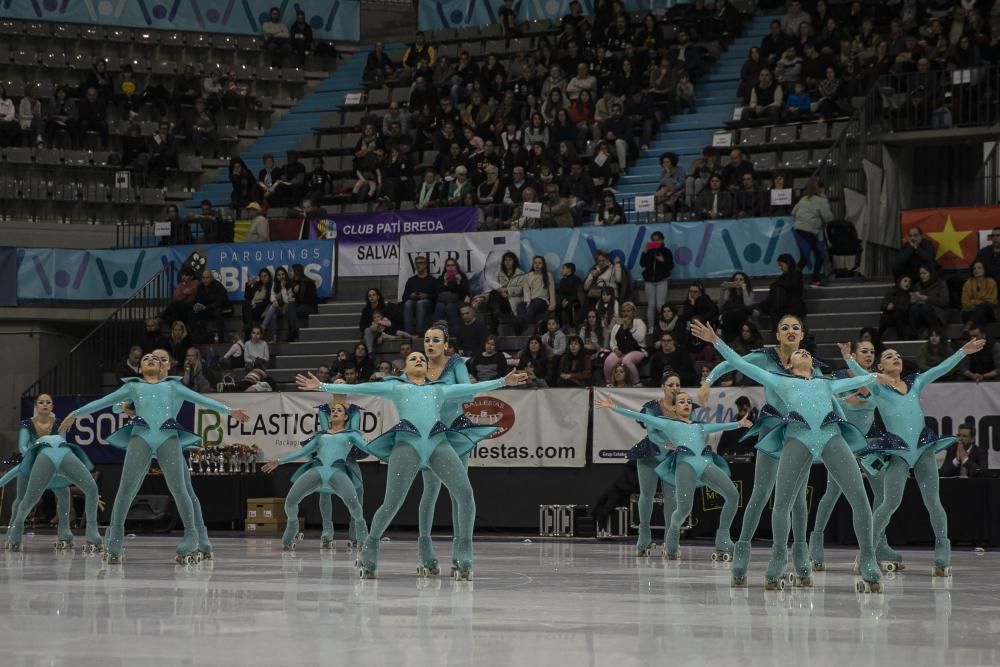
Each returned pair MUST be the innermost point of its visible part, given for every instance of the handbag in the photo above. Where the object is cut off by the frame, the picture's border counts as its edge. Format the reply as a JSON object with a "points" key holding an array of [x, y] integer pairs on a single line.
{"points": [[625, 341]]}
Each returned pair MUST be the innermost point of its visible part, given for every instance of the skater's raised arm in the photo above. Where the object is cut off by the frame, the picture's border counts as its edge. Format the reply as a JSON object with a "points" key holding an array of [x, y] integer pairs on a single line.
{"points": [[752, 371], [946, 366], [459, 391]]}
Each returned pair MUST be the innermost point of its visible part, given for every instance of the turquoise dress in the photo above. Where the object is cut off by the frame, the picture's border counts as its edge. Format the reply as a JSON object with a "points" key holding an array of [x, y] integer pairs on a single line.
{"points": [[156, 407], [770, 425], [811, 412], [421, 414], [688, 439], [653, 448], [906, 433], [452, 412], [355, 454], [54, 447], [327, 454]]}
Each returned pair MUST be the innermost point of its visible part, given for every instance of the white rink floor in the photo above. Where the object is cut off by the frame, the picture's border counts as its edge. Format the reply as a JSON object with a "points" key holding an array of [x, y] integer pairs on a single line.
{"points": [[544, 603]]}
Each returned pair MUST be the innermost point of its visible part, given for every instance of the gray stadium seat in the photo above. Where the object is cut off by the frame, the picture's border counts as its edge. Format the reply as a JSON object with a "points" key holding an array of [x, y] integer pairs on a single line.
{"points": [[19, 155], [783, 134], [795, 159], [753, 136], [813, 132], [764, 161]]}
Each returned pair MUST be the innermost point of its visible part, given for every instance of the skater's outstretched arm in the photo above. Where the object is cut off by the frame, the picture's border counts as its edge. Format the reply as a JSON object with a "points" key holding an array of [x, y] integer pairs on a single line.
{"points": [[200, 399], [460, 391], [671, 428], [117, 396], [377, 389], [726, 426], [752, 371], [946, 366], [844, 385], [23, 440]]}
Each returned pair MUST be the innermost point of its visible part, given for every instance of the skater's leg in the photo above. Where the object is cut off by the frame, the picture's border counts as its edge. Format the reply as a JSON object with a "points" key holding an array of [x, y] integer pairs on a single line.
{"points": [[842, 467], [926, 473], [344, 487], [303, 486], [447, 465], [425, 519], [63, 505], [719, 482], [41, 474], [685, 480], [404, 463], [173, 466], [326, 514], [134, 469], [74, 470], [823, 512], [795, 457], [455, 537], [22, 487], [648, 481], [359, 489], [764, 473], [800, 523], [894, 481], [204, 544]]}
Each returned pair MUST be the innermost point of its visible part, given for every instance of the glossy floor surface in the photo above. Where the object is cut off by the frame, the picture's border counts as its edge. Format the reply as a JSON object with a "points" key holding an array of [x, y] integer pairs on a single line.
{"points": [[539, 603]]}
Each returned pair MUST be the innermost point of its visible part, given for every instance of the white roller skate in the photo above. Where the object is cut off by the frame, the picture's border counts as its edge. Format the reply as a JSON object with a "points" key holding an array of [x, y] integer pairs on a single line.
{"points": [[288, 547], [63, 545], [192, 558], [459, 574], [90, 548], [774, 584], [327, 544]]}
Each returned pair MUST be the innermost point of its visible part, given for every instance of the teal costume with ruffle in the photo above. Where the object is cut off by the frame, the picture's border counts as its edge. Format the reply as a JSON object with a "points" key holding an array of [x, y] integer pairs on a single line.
{"points": [[648, 453], [353, 471]]}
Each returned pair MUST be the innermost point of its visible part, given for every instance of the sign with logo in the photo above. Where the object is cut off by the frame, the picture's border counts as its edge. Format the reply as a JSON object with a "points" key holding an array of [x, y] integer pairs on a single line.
{"points": [[705, 249], [478, 255], [953, 231]]}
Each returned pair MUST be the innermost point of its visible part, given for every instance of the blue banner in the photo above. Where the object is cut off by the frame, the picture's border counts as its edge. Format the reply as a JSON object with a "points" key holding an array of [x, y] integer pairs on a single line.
{"points": [[437, 14], [340, 19], [8, 276], [700, 249], [235, 263]]}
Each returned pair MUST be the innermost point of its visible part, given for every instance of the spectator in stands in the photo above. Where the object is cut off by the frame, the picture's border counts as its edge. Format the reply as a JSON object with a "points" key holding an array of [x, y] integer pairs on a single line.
{"points": [[736, 305], [214, 229], [928, 301], [536, 360], [990, 255], [554, 338], [810, 215], [130, 367], [180, 340], [322, 371], [604, 273], [187, 88], [256, 380], [749, 73], [684, 97], [618, 132], [233, 358], [687, 56], [583, 81], [795, 16], [256, 348], [378, 67], [798, 104], [429, 194], [669, 357], [575, 368], [507, 18], [488, 363], [915, 253], [417, 51], [180, 230], [766, 99], [371, 322], [539, 294], [979, 296], [697, 304], [773, 45], [156, 95], [983, 366], [459, 187], [732, 173], [714, 202], [896, 309], [831, 91], [628, 340], [269, 177], [10, 132], [259, 230], [282, 302], [595, 336], [747, 201], [319, 182], [419, 297], [154, 339], [305, 300], [135, 150], [966, 458], [256, 297], [670, 191], [701, 170], [569, 296], [399, 363], [732, 444], [195, 377], [504, 301], [785, 294], [657, 263], [29, 116], [61, 117], [934, 350], [363, 362], [203, 131], [311, 214], [300, 38], [666, 322], [452, 292], [162, 154], [470, 333], [276, 37]]}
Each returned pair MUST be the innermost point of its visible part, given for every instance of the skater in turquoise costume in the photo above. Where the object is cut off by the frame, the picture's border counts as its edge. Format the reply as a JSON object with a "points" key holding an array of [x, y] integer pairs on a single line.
{"points": [[447, 370], [353, 471], [28, 431], [770, 431], [690, 465], [419, 441], [909, 444], [649, 453], [326, 472], [860, 411], [814, 430], [154, 433], [51, 461]]}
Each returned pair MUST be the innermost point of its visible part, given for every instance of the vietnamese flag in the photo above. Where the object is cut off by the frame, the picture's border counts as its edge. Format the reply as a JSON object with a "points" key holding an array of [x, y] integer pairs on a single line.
{"points": [[954, 231]]}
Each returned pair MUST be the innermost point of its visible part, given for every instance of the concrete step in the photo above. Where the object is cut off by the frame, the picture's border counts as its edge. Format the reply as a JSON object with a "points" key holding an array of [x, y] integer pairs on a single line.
{"points": [[342, 333], [344, 318], [335, 307]]}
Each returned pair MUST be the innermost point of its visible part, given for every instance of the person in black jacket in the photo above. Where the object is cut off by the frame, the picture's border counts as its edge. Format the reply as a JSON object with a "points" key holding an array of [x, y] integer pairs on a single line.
{"points": [[570, 297], [670, 356], [785, 293], [657, 262], [419, 297], [966, 458], [916, 252], [211, 303], [256, 298], [731, 443], [306, 300], [697, 303]]}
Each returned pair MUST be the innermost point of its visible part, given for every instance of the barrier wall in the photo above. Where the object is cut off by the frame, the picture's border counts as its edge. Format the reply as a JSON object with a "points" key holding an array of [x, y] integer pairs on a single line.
{"points": [[437, 14]]}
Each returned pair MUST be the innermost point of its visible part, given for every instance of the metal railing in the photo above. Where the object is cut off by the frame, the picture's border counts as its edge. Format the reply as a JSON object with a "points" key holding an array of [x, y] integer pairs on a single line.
{"points": [[940, 99], [83, 367], [987, 181]]}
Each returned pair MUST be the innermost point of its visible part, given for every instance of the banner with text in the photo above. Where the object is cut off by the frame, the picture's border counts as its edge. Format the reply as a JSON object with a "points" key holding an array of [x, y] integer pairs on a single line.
{"points": [[368, 243], [957, 233], [614, 434], [235, 263], [704, 249], [478, 255]]}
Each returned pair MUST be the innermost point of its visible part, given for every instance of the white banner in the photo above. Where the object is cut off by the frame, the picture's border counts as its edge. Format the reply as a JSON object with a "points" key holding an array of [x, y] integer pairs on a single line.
{"points": [[537, 428], [615, 434], [949, 405], [478, 255]]}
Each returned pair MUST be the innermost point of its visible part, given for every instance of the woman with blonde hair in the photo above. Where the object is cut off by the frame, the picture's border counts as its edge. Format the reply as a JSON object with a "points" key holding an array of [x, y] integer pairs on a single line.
{"points": [[628, 337]]}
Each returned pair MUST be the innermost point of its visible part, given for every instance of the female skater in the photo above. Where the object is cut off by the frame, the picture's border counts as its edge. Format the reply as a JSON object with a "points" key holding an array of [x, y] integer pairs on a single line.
{"points": [[447, 370], [860, 412], [419, 441], [154, 433], [690, 465], [28, 431], [325, 473], [649, 453], [909, 444], [353, 471], [770, 430], [814, 430], [51, 460]]}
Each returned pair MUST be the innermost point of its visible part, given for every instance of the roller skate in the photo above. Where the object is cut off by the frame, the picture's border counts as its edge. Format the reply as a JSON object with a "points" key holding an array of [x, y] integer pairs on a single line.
{"points": [[327, 544], [889, 559], [644, 545], [800, 557], [723, 547], [741, 560], [774, 576], [288, 547], [367, 562], [12, 546], [428, 565], [14, 537], [816, 554], [291, 535], [64, 541], [95, 544], [187, 551], [462, 562], [942, 557], [112, 558], [867, 567], [204, 544]]}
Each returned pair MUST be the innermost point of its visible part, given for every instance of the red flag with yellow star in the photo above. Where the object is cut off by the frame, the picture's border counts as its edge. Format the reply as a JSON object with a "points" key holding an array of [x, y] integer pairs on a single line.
{"points": [[954, 231]]}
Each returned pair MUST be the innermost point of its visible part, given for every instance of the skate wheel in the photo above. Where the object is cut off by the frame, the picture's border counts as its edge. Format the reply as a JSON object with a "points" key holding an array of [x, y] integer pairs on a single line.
{"points": [[367, 574], [715, 556], [726, 557], [818, 567], [792, 578], [939, 571], [643, 553], [890, 567], [738, 582], [300, 537]]}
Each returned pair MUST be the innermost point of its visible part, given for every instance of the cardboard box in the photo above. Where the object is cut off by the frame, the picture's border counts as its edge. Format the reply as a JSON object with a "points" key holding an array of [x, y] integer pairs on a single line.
{"points": [[266, 510], [268, 529]]}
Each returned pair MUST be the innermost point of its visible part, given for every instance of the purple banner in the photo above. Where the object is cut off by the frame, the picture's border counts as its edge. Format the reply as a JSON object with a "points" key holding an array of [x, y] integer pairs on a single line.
{"points": [[368, 243]]}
